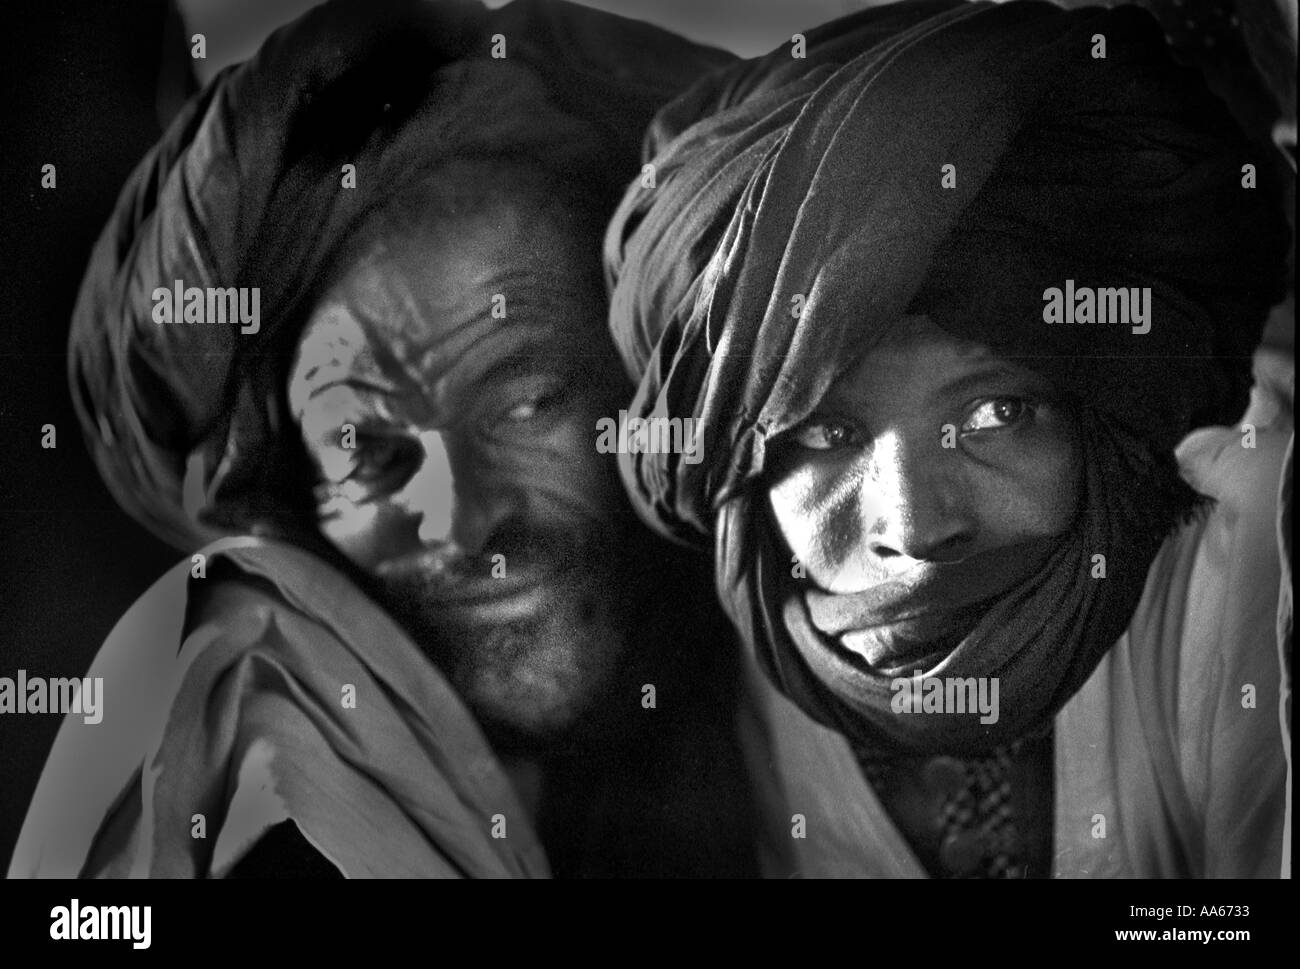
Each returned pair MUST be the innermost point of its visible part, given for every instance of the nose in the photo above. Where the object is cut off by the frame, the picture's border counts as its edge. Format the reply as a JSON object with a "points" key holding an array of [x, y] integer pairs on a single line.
{"points": [[916, 502], [454, 506]]}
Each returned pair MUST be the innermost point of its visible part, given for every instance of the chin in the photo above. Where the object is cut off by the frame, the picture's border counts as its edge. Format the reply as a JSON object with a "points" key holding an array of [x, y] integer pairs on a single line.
{"points": [[539, 670], [545, 689]]}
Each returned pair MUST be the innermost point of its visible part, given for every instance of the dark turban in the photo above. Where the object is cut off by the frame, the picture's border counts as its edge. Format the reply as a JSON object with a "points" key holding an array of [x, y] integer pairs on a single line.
{"points": [[246, 190], [823, 178]]}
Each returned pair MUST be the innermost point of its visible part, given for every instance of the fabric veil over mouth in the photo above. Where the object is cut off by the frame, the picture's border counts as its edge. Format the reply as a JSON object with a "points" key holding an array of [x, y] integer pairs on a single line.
{"points": [[820, 181]]}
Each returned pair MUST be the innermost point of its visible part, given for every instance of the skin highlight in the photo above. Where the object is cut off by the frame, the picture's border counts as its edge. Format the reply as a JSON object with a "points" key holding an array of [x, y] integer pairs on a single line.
{"points": [[472, 496], [931, 463]]}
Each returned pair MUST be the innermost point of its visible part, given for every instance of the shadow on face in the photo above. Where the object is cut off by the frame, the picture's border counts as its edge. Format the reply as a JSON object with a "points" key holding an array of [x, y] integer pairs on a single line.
{"points": [[931, 463], [448, 387]]}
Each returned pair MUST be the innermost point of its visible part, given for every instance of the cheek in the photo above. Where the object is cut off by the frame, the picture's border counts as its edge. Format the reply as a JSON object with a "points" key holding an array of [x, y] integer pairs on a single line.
{"points": [[815, 509], [369, 532], [1034, 496], [558, 463], [564, 466]]}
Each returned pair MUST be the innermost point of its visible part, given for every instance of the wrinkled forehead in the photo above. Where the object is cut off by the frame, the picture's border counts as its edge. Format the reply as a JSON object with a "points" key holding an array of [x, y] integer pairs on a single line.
{"points": [[420, 306]]}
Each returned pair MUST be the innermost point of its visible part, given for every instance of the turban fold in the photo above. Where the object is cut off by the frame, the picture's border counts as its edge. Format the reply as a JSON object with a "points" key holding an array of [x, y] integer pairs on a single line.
{"points": [[803, 205], [246, 190]]}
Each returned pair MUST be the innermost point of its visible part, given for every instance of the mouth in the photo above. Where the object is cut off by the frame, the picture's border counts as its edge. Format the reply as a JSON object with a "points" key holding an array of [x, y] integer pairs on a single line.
{"points": [[500, 587], [916, 620]]}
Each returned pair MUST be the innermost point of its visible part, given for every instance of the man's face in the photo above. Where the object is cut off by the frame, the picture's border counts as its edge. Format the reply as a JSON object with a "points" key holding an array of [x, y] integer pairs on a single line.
{"points": [[932, 466], [472, 360]]}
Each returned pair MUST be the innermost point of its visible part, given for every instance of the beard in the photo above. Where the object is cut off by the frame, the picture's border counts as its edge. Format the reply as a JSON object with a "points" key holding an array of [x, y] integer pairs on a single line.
{"points": [[534, 637]]}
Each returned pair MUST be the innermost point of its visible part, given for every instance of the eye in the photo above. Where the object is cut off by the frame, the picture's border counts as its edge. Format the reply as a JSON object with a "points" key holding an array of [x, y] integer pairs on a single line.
{"points": [[825, 434], [382, 458], [995, 413], [533, 407]]}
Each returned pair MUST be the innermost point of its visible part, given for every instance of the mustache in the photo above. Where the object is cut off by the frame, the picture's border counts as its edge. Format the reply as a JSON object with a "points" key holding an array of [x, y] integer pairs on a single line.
{"points": [[515, 547]]}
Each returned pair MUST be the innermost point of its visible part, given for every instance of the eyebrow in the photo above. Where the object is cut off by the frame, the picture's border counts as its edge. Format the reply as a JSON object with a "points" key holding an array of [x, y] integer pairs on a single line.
{"points": [[518, 364], [969, 382]]}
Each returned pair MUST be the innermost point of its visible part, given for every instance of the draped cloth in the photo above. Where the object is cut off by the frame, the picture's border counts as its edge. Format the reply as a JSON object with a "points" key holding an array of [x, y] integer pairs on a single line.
{"points": [[248, 189], [271, 690], [281, 693], [1192, 782], [800, 208]]}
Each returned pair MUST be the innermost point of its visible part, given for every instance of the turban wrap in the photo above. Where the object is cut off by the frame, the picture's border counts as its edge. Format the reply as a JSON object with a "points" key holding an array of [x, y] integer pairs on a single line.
{"points": [[186, 421], [822, 178]]}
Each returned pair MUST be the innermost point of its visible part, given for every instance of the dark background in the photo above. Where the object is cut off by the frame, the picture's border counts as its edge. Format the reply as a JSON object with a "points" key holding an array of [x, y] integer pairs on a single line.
{"points": [[81, 92]]}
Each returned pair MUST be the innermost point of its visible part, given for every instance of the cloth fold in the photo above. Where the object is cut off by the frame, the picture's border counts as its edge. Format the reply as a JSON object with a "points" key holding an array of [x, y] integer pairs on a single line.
{"points": [[292, 697], [248, 189], [801, 208]]}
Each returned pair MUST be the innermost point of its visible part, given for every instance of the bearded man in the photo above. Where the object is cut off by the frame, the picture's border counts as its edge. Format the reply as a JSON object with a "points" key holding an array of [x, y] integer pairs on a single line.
{"points": [[343, 343]]}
